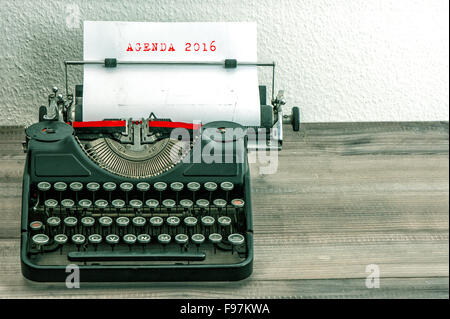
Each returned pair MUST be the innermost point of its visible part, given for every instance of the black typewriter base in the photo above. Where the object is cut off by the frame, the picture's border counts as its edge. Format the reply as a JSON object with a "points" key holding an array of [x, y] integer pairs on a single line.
{"points": [[92, 273]]}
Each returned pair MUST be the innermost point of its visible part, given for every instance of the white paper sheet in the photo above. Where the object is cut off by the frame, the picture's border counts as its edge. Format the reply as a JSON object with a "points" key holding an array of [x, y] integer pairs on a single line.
{"points": [[181, 93]]}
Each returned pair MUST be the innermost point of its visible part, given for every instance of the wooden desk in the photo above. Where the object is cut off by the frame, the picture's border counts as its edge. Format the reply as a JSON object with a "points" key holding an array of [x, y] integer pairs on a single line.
{"points": [[345, 196]]}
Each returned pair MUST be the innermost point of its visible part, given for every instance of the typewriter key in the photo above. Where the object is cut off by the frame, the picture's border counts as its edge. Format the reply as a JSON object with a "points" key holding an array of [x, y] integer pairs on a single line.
{"points": [[118, 204], [135, 204], [193, 187], [220, 203], [60, 239], [210, 186], [236, 239], [164, 239], [109, 186], [76, 186], [112, 240], [85, 204], [181, 239], [53, 221], [208, 221], [36, 226], [198, 239], [190, 221], [67, 203], [126, 187], [101, 204], [95, 239], [143, 186], [176, 186], [215, 239], [186, 204], [93, 187], [60, 186], [40, 240], [138, 221], [173, 221], [152, 204], [43, 186], [224, 221], [168, 203], [202, 204], [160, 186], [156, 221], [50, 204], [70, 222], [237, 203], [105, 221], [227, 186], [143, 239], [129, 239], [122, 221], [78, 240], [88, 222]]}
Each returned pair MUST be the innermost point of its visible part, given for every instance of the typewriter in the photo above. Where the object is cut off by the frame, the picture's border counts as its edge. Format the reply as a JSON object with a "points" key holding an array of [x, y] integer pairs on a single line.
{"points": [[125, 200]]}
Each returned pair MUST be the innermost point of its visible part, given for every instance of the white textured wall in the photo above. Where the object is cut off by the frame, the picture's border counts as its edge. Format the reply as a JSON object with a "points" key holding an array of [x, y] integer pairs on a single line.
{"points": [[344, 60]]}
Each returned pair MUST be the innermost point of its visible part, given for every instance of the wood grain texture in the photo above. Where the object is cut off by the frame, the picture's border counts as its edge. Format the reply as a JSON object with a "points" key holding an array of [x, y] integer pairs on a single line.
{"points": [[344, 196]]}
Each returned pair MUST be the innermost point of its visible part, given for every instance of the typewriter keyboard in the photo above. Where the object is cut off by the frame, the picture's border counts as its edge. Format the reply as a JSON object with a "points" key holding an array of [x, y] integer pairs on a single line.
{"points": [[142, 223]]}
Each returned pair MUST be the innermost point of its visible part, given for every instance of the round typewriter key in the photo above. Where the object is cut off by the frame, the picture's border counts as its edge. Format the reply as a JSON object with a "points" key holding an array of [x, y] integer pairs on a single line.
{"points": [[210, 186], [85, 203], [173, 221], [101, 203], [87, 221], [237, 203], [129, 239], [224, 221], [118, 203], [193, 186], [152, 203], [138, 221], [122, 221], [143, 186], [220, 203], [36, 225], [202, 203], [135, 203], [76, 186], [176, 186], [126, 187], [186, 204], [164, 239], [227, 186], [112, 240], [43, 186], [109, 186], [105, 221], [67, 204], [78, 239], [182, 240], [70, 221], [143, 239], [156, 221], [60, 186], [60, 239], [160, 186], [208, 221], [93, 186], [236, 239], [95, 239], [198, 239], [215, 238], [190, 221], [168, 203], [40, 240], [51, 203], [53, 221]]}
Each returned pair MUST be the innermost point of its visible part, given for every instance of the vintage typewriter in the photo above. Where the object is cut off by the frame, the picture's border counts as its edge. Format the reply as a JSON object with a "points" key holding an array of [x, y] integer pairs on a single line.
{"points": [[126, 201]]}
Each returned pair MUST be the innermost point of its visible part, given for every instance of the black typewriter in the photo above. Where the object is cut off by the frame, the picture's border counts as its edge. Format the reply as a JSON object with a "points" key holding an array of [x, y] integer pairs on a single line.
{"points": [[125, 200]]}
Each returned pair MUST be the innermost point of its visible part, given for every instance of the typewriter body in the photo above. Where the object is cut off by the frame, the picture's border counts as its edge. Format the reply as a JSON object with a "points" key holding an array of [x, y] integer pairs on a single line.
{"points": [[128, 200]]}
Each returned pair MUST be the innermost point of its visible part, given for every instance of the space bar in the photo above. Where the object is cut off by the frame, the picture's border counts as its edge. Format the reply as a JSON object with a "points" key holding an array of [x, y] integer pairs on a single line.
{"points": [[134, 256]]}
